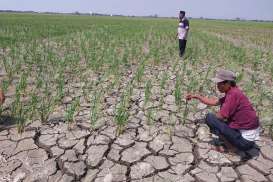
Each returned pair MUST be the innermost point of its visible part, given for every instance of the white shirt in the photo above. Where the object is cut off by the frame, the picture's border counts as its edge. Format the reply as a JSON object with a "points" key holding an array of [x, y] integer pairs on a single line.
{"points": [[182, 29], [251, 135]]}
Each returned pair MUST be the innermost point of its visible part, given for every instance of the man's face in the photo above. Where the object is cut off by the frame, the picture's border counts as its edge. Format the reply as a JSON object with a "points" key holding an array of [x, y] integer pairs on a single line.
{"points": [[223, 86], [181, 15]]}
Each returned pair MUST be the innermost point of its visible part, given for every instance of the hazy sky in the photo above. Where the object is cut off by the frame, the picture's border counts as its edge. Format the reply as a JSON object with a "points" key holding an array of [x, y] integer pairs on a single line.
{"points": [[247, 9]]}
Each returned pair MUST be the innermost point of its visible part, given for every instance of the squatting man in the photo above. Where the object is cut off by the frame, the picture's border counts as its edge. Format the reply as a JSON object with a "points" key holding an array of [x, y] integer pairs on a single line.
{"points": [[236, 123]]}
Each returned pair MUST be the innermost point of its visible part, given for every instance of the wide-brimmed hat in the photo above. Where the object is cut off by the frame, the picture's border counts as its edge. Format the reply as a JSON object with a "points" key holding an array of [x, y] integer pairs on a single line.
{"points": [[224, 75]]}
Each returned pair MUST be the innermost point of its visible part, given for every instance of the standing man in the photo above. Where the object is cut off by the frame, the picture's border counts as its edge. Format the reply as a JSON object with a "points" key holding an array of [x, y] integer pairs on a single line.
{"points": [[236, 123], [182, 32]]}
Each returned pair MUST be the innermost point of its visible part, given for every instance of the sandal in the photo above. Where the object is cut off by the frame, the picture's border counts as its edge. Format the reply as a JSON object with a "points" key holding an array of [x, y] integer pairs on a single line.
{"points": [[220, 149]]}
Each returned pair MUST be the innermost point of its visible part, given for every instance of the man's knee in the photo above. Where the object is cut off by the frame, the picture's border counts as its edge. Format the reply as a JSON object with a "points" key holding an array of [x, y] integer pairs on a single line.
{"points": [[210, 117], [245, 145]]}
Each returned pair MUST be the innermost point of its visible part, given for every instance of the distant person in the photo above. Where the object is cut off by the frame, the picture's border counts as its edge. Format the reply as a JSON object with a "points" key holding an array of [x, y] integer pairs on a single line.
{"points": [[182, 32], [2, 97], [236, 123]]}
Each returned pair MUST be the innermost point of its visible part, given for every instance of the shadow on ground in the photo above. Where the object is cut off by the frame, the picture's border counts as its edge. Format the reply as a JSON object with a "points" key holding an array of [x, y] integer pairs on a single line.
{"points": [[252, 153], [7, 122]]}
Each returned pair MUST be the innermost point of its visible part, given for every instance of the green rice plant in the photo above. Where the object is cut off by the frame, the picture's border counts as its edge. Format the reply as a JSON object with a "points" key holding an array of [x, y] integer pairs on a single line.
{"points": [[72, 111], [185, 113], [240, 76], [125, 57], [150, 116], [45, 107], [162, 87], [87, 88], [121, 118], [175, 65], [140, 72], [4, 89], [31, 108], [177, 91], [193, 85], [147, 91], [60, 88], [9, 68], [156, 55], [190, 87], [257, 60], [121, 111], [183, 68], [5, 85], [205, 80], [46, 101], [22, 83], [261, 96], [20, 120], [17, 111], [94, 110], [163, 81], [271, 131], [268, 95]]}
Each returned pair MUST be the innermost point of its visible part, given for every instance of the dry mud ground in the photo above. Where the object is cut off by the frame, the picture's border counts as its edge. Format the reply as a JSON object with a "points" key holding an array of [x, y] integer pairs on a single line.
{"points": [[165, 151], [143, 153]]}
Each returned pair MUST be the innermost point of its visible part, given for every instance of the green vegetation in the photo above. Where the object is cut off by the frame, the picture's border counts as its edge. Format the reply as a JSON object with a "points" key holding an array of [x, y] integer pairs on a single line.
{"points": [[46, 58]]}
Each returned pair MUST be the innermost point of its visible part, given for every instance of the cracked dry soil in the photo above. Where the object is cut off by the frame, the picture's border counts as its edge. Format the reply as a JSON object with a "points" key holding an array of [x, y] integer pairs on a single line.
{"points": [[142, 154]]}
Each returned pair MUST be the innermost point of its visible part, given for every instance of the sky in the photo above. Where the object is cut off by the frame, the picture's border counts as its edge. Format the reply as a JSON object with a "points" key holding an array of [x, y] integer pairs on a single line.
{"points": [[220, 9]]}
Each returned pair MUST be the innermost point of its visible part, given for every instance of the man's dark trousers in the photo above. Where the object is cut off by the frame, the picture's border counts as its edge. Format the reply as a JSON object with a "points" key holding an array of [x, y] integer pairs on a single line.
{"points": [[234, 136], [182, 46]]}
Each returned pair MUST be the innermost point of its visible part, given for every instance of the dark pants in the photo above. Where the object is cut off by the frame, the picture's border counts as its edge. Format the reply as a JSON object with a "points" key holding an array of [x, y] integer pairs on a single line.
{"points": [[233, 136], [182, 46]]}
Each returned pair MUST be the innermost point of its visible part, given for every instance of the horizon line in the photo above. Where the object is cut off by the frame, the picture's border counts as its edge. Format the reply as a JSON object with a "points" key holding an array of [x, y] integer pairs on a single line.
{"points": [[155, 15]]}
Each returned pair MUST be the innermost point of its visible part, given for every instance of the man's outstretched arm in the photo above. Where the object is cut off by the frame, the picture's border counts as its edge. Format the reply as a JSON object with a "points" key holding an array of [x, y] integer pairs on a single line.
{"points": [[213, 101], [205, 100]]}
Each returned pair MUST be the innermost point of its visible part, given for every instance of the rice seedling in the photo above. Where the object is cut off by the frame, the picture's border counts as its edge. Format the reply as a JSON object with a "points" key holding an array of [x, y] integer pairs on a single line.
{"points": [[162, 87], [121, 118], [94, 109], [121, 111], [205, 79], [31, 108], [240, 76], [71, 112], [22, 83], [46, 101], [177, 91], [87, 89], [140, 72], [60, 88], [9, 68], [147, 91], [185, 113], [17, 111], [150, 116]]}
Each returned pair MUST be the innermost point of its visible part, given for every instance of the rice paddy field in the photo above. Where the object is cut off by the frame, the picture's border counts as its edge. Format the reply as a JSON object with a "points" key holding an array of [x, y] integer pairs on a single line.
{"points": [[93, 72]]}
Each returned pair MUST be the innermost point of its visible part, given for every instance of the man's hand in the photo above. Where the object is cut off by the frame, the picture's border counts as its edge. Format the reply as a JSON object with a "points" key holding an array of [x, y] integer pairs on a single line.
{"points": [[203, 99], [2, 97], [192, 96]]}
